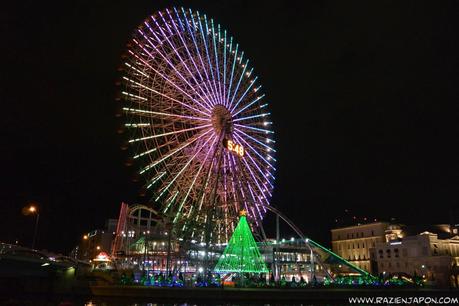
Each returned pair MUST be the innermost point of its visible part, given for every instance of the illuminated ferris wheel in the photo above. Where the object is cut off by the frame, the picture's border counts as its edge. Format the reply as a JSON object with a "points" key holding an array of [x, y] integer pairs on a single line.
{"points": [[198, 124]]}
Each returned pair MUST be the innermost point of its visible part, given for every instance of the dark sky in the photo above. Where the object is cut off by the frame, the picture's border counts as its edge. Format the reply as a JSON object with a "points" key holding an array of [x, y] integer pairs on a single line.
{"points": [[364, 98]]}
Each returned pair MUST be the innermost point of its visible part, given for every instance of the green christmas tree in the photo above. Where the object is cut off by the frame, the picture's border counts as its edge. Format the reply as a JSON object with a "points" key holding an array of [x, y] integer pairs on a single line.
{"points": [[241, 254]]}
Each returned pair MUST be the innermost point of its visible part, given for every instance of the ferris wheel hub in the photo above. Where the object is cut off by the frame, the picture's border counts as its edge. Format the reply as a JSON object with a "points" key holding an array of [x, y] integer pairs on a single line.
{"points": [[221, 119]]}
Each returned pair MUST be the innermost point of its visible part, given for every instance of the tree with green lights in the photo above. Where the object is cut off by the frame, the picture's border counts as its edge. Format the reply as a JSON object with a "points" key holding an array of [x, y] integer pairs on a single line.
{"points": [[241, 255]]}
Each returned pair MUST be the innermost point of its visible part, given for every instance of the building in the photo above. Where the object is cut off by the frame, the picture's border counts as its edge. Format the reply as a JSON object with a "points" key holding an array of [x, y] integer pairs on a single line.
{"points": [[141, 239], [290, 258], [385, 249], [424, 255], [353, 243], [135, 222], [95, 242]]}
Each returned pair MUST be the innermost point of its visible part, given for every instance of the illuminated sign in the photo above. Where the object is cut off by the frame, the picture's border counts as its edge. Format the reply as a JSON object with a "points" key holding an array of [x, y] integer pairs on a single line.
{"points": [[102, 257], [234, 147]]}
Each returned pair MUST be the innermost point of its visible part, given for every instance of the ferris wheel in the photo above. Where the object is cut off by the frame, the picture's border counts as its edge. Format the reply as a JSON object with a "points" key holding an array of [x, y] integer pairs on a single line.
{"points": [[198, 124]]}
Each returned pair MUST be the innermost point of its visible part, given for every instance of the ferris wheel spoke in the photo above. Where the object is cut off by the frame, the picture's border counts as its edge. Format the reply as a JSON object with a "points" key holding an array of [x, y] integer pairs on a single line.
{"points": [[170, 200], [263, 175], [174, 48], [199, 52], [170, 186], [159, 93], [235, 171], [189, 53], [189, 142], [237, 186], [255, 151], [259, 170], [233, 182], [205, 187], [203, 194], [170, 82], [255, 180], [224, 63], [254, 128], [209, 56], [251, 83], [232, 71], [251, 117], [171, 65], [217, 67], [155, 179], [136, 70], [192, 184], [204, 39], [225, 194], [140, 125], [249, 104], [241, 76], [170, 133], [256, 203], [144, 153], [256, 148], [246, 183], [268, 148], [205, 162], [150, 114], [183, 169], [259, 163], [267, 176]]}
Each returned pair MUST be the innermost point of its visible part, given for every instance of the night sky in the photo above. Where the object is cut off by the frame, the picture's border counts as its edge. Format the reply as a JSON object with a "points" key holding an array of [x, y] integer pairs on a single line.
{"points": [[364, 99]]}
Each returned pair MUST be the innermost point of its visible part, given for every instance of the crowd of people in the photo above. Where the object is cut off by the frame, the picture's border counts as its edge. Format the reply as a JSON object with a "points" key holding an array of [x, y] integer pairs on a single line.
{"points": [[252, 280]]}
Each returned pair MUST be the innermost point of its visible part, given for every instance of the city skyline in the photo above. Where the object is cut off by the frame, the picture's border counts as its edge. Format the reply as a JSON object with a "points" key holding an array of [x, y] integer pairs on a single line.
{"points": [[363, 100]]}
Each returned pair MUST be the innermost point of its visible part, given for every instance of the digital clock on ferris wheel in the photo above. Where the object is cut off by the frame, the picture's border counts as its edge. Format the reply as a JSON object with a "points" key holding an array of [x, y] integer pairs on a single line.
{"points": [[234, 147]]}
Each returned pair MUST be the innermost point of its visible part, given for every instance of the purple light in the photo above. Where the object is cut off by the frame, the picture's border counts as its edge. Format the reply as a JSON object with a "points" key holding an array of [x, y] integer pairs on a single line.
{"points": [[197, 51], [243, 95], [248, 105], [238, 83], [257, 141], [209, 103], [172, 83], [207, 53], [181, 66], [188, 51], [256, 165], [170, 64], [254, 128], [232, 73]]}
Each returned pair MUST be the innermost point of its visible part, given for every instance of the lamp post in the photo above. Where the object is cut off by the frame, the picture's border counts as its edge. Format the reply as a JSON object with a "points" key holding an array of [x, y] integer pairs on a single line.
{"points": [[34, 210]]}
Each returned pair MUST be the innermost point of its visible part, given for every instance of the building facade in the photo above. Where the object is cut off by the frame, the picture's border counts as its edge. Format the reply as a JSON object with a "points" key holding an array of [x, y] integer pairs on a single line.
{"points": [[423, 255], [353, 243]]}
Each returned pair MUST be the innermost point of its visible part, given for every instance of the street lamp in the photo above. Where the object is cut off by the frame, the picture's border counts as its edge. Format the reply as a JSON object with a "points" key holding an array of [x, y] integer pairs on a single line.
{"points": [[32, 209]]}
